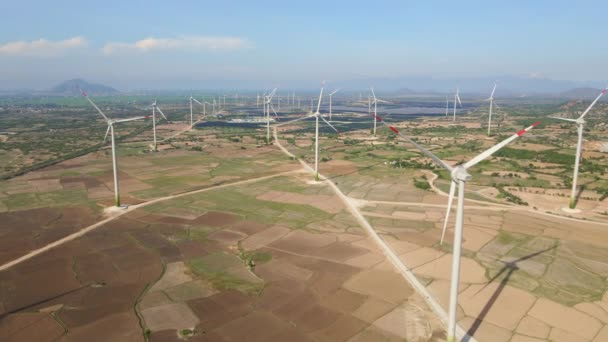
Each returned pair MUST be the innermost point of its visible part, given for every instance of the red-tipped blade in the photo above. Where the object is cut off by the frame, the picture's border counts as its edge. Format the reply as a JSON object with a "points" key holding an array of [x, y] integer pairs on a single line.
{"points": [[523, 131]]}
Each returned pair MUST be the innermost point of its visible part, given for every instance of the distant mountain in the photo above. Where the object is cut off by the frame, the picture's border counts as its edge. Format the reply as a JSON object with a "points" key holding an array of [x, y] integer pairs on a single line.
{"points": [[405, 91], [508, 86], [73, 87], [581, 93]]}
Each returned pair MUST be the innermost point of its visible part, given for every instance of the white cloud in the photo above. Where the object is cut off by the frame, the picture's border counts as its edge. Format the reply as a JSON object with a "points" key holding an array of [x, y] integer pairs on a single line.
{"points": [[190, 42], [41, 47]]}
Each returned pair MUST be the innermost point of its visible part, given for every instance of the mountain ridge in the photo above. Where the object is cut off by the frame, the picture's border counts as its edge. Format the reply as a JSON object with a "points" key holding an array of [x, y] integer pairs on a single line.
{"points": [[76, 85]]}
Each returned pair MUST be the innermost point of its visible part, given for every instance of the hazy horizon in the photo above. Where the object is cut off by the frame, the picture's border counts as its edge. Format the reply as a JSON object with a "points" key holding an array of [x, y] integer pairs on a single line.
{"points": [[435, 47]]}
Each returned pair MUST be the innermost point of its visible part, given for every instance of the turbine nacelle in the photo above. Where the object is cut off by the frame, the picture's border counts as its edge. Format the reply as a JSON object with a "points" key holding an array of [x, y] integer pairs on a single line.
{"points": [[460, 173]]}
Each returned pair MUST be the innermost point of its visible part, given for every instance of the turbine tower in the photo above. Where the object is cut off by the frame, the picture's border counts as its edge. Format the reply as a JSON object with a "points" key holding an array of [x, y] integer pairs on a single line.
{"points": [[191, 117], [375, 102], [154, 109], [267, 107], [460, 177], [110, 130], [580, 123], [316, 115]]}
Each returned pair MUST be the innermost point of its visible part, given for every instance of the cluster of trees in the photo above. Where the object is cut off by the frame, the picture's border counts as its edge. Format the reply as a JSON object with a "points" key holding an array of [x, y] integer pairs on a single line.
{"points": [[422, 184], [503, 193], [413, 164]]}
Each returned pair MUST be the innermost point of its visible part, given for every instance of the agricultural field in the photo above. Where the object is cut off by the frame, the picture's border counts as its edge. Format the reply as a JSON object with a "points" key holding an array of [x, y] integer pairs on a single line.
{"points": [[288, 263], [281, 257]]}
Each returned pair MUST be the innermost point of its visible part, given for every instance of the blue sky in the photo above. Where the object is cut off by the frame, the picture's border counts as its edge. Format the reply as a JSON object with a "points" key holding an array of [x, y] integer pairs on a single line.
{"points": [[283, 42]]}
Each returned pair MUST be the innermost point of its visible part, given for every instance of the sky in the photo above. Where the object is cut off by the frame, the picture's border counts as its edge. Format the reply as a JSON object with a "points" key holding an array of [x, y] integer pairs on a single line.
{"points": [[185, 44]]}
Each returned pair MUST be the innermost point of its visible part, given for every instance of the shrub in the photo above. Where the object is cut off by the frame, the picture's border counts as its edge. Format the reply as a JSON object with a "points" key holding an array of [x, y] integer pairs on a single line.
{"points": [[422, 184]]}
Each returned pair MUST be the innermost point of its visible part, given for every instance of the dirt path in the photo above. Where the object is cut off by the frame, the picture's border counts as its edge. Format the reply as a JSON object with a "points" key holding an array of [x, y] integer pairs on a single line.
{"points": [[120, 212], [386, 250], [443, 206], [507, 206]]}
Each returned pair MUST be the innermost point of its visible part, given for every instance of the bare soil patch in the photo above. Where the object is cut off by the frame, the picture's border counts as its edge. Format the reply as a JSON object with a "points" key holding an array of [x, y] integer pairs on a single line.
{"points": [[170, 316], [216, 219]]}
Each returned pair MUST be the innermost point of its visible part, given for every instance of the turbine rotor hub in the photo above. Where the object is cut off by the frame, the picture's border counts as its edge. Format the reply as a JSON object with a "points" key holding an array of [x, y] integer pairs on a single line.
{"points": [[459, 173]]}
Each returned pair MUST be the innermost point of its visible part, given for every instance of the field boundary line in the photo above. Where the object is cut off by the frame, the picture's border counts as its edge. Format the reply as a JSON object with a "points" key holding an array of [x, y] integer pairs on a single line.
{"points": [[96, 225], [387, 251]]}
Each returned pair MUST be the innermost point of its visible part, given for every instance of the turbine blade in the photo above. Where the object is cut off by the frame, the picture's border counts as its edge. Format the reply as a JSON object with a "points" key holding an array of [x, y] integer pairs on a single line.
{"points": [[94, 105], [593, 103], [107, 132], [422, 149], [161, 113], [132, 119], [564, 119], [275, 113], [320, 96], [487, 153], [447, 212], [272, 94], [294, 120], [197, 101], [330, 125], [459, 102], [372, 89], [493, 90]]}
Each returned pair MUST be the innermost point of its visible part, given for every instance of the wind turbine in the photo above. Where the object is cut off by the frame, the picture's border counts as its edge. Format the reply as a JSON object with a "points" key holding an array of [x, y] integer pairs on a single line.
{"points": [[580, 122], [375, 102], [197, 101], [316, 115], [460, 177], [267, 107], [330, 95], [110, 130], [491, 99], [154, 109], [456, 98]]}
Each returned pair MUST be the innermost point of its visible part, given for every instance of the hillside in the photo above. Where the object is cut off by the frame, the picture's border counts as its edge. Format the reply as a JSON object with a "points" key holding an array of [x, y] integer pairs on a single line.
{"points": [[73, 87], [581, 93]]}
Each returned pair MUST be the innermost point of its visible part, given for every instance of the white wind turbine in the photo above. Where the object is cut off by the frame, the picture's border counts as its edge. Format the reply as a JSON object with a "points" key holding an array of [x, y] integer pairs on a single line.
{"points": [[316, 115], [580, 122], [460, 177], [191, 117], [491, 99], [267, 107], [154, 109], [375, 102], [110, 131], [330, 95], [456, 98]]}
